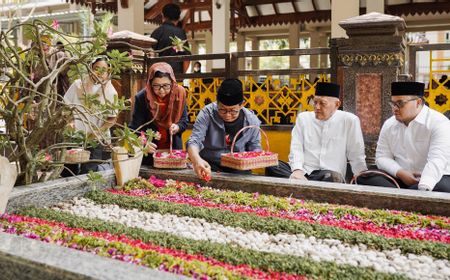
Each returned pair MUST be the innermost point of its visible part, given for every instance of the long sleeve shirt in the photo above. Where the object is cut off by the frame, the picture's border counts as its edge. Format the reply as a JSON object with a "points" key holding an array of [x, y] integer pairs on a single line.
{"points": [[208, 134], [327, 145], [76, 94], [142, 115], [421, 147]]}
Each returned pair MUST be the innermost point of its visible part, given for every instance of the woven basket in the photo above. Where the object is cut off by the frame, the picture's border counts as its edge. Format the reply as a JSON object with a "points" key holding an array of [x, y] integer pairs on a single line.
{"points": [[233, 160], [169, 162], [77, 156]]}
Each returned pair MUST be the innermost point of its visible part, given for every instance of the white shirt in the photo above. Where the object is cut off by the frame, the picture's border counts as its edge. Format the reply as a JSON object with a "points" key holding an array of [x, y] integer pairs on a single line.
{"points": [[74, 96], [326, 145], [423, 147]]}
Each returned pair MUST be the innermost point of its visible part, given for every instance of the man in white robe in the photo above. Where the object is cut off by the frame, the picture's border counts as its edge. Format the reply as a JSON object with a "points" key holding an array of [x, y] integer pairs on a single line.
{"points": [[414, 144], [324, 140]]}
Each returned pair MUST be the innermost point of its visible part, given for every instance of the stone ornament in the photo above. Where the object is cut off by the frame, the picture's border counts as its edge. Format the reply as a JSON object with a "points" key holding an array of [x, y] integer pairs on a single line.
{"points": [[373, 59]]}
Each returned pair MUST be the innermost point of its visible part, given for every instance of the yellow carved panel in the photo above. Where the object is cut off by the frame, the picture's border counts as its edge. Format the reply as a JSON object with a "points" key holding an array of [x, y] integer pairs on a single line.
{"points": [[437, 96], [272, 101], [437, 92]]}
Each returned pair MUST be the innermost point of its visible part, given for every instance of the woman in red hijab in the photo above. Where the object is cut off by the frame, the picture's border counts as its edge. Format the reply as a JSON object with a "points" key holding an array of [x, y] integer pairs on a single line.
{"points": [[163, 100]]}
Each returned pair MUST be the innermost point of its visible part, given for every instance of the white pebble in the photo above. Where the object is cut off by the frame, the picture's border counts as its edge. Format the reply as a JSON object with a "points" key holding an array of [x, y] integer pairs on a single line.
{"points": [[392, 261]]}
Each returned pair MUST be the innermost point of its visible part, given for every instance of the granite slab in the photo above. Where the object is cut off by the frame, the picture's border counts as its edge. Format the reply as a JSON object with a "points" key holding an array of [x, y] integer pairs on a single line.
{"points": [[22, 259], [52, 192], [436, 203]]}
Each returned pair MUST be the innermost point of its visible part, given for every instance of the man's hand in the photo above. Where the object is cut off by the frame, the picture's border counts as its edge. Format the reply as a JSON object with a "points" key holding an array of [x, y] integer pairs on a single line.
{"points": [[299, 175], [202, 169], [407, 177], [174, 128]]}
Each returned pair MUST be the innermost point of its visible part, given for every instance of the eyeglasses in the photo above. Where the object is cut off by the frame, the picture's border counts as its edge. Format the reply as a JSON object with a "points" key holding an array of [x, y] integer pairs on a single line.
{"points": [[232, 112], [100, 70], [157, 87], [400, 104]]}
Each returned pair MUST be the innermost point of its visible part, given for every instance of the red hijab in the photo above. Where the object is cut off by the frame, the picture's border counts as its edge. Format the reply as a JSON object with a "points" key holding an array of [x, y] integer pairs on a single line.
{"points": [[175, 102]]}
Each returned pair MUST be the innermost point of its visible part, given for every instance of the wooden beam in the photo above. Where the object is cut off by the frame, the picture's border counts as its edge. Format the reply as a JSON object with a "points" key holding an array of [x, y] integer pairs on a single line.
{"points": [[294, 6], [292, 17], [313, 2], [233, 27], [197, 5], [418, 8], [268, 20], [187, 16], [93, 7], [242, 13], [156, 10], [205, 25], [258, 12], [261, 2], [298, 17], [275, 8]]}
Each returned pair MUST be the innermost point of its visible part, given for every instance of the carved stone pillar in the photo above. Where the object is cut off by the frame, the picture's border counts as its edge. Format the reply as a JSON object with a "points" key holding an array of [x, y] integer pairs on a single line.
{"points": [[368, 62]]}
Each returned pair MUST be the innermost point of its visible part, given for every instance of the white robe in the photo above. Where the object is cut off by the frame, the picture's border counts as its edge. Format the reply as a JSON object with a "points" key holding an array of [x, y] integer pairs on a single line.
{"points": [[421, 147], [327, 145]]}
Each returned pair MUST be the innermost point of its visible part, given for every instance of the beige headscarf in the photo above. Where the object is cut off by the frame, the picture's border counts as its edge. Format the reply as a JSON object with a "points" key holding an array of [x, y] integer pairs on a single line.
{"points": [[177, 97]]}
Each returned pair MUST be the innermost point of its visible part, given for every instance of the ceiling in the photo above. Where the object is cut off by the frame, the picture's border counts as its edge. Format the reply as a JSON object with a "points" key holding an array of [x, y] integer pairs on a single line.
{"points": [[197, 14]]}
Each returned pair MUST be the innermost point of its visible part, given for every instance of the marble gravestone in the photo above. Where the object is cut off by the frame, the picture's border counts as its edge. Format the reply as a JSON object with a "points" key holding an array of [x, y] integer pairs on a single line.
{"points": [[8, 176]]}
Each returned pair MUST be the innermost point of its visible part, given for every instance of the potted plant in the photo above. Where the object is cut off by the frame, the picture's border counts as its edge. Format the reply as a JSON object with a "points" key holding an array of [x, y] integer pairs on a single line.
{"points": [[127, 155], [36, 117]]}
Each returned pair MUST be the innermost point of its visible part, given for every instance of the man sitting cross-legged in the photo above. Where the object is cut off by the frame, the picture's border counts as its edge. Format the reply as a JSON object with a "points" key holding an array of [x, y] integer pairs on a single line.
{"points": [[323, 140], [414, 144]]}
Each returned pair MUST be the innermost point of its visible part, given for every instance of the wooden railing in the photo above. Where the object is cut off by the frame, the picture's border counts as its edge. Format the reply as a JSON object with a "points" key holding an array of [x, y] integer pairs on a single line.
{"points": [[273, 101]]}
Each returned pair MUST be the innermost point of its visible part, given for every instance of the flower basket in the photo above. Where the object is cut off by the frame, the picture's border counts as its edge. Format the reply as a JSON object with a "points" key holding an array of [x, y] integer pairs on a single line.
{"points": [[249, 160], [165, 159], [77, 156], [170, 159]]}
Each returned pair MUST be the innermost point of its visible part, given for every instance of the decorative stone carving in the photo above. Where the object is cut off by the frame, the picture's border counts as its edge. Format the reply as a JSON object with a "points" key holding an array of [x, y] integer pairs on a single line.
{"points": [[371, 59]]}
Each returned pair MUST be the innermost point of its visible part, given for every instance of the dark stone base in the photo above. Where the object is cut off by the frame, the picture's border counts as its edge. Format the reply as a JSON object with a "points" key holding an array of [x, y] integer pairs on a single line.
{"points": [[357, 195]]}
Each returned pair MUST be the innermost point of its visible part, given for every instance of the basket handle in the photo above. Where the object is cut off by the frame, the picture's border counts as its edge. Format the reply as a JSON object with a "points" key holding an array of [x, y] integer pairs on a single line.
{"points": [[244, 128], [171, 140], [355, 178]]}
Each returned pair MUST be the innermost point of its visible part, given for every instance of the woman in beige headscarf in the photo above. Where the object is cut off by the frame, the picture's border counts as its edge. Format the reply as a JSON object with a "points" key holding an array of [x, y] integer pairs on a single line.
{"points": [[97, 85], [163, 100]]}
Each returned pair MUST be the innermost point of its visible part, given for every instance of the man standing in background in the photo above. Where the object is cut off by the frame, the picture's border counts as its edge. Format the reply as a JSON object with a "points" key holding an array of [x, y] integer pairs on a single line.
{"points": [[171, 29]]}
